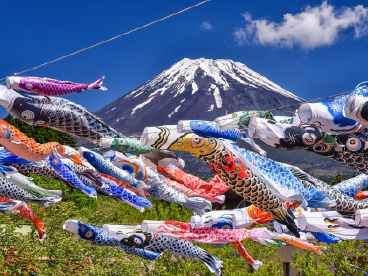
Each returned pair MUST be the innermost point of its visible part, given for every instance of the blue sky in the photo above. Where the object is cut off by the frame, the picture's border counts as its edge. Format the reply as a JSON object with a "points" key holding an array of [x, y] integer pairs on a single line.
{"points": [[319, 49]]}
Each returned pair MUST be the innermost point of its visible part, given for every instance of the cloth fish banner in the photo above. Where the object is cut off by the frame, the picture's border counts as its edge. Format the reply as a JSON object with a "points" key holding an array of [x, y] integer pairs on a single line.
{"points": [[349, 150], [280, 180], [57, 113], [361, 217], [326, 238], [328, 116], [8, 157], [191, 193], [352, 186], [106, 167], [156, 183], [180, 230], [8, 205], [50, 87], [207, 130], [19, 144], [331, 222], [356, 108], [158, 188], [95, 235], [25, 183], [42, 168], [240, 119], [123, 184], [256, 264], [131, 145], [12, 191], [125, 195], [22, 209], [66, 172], [361, 195], [213, 188], [224, 163], [344, 202], [134, 236]]}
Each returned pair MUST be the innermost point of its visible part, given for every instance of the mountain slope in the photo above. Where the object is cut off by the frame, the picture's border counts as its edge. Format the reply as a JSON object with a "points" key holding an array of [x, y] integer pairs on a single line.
{"points": [[194, 89]]}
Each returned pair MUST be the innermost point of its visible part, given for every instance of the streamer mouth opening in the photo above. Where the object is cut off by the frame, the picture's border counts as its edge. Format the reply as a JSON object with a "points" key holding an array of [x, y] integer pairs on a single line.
{"points": [[144, 137], [305, 112], [106, 142], [302, 222], [71, 226]]}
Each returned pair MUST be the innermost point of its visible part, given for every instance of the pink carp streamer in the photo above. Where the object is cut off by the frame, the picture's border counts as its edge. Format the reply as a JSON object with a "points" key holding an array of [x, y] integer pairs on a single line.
{"points": [[25, 211], [211, 189], [181, 230], [191, 193], [50, 87]]}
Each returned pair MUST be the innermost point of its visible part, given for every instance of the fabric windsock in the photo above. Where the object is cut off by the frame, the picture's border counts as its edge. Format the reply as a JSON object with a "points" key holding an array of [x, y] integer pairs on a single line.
{"points": [[8, 157], [134, 236], [25, 183], [331, 222], [356, 108], [332, 115], [361, 217], [296, 242], [95, 235], [361, 195], [50, 87], [131, 145], [243, 252], [352, 186], [208, 130], [240, 119]]}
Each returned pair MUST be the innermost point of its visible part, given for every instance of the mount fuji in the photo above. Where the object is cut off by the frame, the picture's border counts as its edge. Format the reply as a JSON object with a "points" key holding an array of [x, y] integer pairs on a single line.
{"points": [[195, 89]]}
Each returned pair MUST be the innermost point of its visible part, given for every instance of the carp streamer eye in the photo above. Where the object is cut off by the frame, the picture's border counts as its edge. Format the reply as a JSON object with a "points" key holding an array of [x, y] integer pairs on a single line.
{"points": [[27, 114], [353, 144], [122, 142], [197, 142], [29, 86], [137, 241], [89, 234], [55, 162]]}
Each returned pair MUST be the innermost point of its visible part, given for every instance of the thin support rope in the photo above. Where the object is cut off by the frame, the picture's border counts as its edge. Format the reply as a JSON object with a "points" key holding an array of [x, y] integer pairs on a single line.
{"points": [[113, 38]]}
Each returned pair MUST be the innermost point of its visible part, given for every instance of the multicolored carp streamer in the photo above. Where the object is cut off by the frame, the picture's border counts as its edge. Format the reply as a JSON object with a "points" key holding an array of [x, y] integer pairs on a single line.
{"points": [[106, 167], [329, 117], [224, 163], [95, 235], [25, 183], [22, 209], [191, 193], [355, 108], [280, 180], [352, 186], [207, 130], [241, 119], [346, 149], [10, 190], [66, 172], [158, 187], [331, 222], [126, 195], [243, 252], [41, 168], [213, 188], [7, 205], [361, 195], [50, 87], [181, 230], [344, 202], [134, 237], [19, 144], [131, 145], [8, 157], [57, 113]]}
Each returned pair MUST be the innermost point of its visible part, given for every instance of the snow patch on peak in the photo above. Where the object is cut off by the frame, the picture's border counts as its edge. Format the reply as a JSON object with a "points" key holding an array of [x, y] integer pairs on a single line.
{"points": [[194, 87], [141, 105], [176, 110], [218, 98]]}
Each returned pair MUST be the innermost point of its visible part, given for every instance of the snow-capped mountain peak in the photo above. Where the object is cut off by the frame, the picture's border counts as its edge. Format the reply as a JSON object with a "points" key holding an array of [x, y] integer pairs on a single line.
{"points": [[194, 89]]}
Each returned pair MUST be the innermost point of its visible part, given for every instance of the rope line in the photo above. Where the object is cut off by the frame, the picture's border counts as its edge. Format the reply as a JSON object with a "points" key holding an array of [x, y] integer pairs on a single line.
{"points": [[113, 38]]}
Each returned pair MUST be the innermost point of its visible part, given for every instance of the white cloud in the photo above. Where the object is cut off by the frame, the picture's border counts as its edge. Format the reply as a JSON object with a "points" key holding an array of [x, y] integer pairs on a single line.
{"points": [[206, 25], [314, 27]]}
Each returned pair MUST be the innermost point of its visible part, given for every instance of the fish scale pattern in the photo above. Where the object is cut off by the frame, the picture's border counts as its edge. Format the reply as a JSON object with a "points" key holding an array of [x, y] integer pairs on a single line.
{"points": [[61, 114]]}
